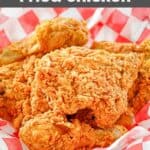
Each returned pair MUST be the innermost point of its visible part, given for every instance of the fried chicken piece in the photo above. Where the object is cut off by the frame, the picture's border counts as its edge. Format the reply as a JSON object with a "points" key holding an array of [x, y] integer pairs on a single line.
{"points": [[17, 76], [48, 36], [116, 47], [15, 83], [20, 76], [61, 32], [52, 131], [139, 94], [142, 96], [19, 50], [7, 74], [15, 88], [78, 78]]}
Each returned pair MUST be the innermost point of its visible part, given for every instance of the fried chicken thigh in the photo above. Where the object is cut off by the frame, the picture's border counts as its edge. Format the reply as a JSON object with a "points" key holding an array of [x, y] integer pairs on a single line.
{"points": [[78, 78], [70, 80], [44, 91]]}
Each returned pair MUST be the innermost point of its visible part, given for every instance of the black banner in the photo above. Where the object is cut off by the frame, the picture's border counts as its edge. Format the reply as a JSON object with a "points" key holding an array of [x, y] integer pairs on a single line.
{"points": [[74, 3]]}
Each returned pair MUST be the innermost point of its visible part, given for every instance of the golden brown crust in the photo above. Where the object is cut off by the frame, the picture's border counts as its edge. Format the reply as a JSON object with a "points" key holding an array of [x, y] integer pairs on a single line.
{"points": [[75, 98], [142, 95], [36, 85], [138, 95], [18, 76], [142, 88], [126, 119], [61, 32], [116, 47], [15, 81], [48, 36], [19, 50], [76, 78], [52, 131]]}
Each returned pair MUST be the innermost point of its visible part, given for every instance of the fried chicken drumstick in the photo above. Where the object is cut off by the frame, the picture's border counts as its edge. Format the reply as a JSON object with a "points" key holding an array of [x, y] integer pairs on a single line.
{"points": [[48, 36]]}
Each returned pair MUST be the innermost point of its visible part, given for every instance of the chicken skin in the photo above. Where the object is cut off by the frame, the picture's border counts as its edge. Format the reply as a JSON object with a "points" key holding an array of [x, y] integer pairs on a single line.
{"points": [[58, 94], [142, 93], [52, 131], [48, 36], [60, 84], [116, 47], [15, 83], [139, 94], [16, 77], [78, 78]]}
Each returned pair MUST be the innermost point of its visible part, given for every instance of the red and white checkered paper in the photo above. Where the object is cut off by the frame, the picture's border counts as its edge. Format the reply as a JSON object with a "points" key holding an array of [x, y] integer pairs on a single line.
{"points": [[111, 24]]}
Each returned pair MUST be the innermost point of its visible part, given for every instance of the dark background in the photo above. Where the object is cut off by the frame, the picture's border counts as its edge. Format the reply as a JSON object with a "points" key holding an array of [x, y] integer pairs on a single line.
{"points": [[65, 3]]}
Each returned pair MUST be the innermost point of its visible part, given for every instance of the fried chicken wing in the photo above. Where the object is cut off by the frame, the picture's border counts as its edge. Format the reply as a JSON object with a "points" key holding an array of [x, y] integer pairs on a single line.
{"points": [[48, 36], [52, 131], [77, 78]]}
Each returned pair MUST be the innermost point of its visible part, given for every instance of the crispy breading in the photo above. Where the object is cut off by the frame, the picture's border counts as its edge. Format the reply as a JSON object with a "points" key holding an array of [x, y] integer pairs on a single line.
{"points": [[52, 131], [145, 46], [116, 47], [86, 116], [139, 94], [48, 36], [3, 110], [142, 95], [68, 80], [19, 50], [18, 80], [25, 81], [16, 77], [15, 81], [61, 32], [78, 78], [72, 98]]}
